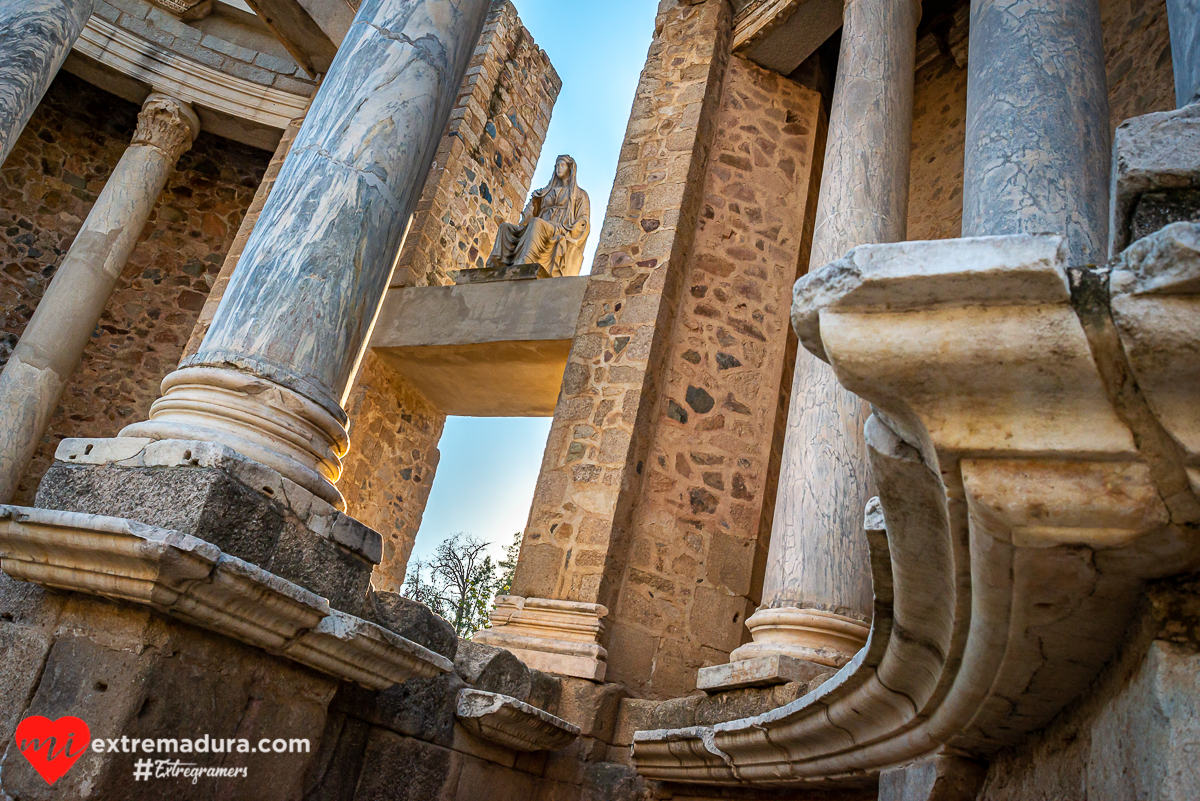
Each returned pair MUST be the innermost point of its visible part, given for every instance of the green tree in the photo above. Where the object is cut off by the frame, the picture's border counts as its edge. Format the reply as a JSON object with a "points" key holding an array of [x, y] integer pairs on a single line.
{"points": [[458, 583], [508, 566]]}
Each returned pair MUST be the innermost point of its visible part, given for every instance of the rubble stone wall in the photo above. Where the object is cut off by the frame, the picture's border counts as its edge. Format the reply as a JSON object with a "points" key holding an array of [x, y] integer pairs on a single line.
{"points": [[576, 539], [701, 528], [387, 475], [486, 159], [1137, 53], [47, 187]]}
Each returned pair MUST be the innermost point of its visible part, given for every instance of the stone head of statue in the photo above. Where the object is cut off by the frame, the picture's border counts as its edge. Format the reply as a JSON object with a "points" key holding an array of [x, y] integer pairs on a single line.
{"points": [[564, 169]]}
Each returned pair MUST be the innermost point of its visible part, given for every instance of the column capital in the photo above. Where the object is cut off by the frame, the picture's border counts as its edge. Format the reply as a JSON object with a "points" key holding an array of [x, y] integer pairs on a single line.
{"points": [[168, 124]]}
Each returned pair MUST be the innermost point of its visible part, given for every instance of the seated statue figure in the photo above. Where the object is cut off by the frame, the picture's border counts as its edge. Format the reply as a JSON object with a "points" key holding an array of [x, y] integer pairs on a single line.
{"points": [[553, 227]]}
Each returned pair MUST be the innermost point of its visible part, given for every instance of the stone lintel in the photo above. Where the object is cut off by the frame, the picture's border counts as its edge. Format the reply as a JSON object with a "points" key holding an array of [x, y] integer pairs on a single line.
{"points": [[512, 723], [211, 492], [550, 635], [762, 671]]}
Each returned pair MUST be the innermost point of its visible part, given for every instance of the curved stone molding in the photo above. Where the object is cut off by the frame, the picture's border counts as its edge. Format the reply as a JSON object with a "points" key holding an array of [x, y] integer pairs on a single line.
{"points": [[193, 580], [258, 418], [188, 80], [514, 724], [815, 635], [1022, 512], [549, 635]]}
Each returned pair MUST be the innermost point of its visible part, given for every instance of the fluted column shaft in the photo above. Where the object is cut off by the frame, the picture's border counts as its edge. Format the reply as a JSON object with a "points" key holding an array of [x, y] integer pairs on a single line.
{"points": [[52, 344], [273, 369], [1038, 143], [35, 37], [817, 589]]}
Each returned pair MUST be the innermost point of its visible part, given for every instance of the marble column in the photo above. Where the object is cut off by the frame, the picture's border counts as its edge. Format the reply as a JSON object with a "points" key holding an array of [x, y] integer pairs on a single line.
{"points": [[1183, 17], [270, 377], [52, 345], [817, 589], [35, 37], [1038, 143]]}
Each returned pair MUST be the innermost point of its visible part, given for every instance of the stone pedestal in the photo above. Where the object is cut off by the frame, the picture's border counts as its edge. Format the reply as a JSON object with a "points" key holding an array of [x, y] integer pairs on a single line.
{"points": [[38, 34], [816, 599], [52, 345], [552, 636], [1038, 142], [271, 375]]}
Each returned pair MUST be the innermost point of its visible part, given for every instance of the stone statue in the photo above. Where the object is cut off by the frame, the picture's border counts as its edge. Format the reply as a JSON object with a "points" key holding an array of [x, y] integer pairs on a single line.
{"points": [[553, 227]]}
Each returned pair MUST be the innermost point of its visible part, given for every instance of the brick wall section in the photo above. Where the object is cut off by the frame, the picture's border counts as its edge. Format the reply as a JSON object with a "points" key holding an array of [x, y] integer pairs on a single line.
{"points": [[1137, 55], [485, 161], [49, 183], [239, 241], [701, 528], [389, 470], [575, 544]]}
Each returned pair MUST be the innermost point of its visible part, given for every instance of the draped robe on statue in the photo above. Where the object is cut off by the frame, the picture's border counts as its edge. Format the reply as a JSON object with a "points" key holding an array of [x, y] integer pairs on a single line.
{"points": [[552, 231]]}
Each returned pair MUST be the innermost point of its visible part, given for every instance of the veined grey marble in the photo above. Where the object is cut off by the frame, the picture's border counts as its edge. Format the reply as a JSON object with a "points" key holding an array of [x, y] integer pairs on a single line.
{"points": [[818, 564], [1184, 18], [52, 345], [302, 300], [272, 372], [1038, 144], [35, 37]]}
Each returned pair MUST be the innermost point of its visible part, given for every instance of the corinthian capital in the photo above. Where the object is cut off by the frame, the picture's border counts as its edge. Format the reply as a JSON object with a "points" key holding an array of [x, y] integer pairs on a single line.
{"points": [[168, 124]]}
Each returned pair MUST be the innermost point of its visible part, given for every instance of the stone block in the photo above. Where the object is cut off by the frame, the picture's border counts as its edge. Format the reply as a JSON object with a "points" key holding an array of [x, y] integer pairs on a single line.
{"points": [[398, 768], [514, 272], [414, 621], [939, 778], [511, 723], [590, 706], [333, 774], [206, 490], [762, 671], [493, 669], [421, 708]]}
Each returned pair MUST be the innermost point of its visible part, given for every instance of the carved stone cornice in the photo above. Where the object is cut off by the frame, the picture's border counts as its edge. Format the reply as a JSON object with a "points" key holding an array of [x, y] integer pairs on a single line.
{"points": [[168, 124], [193, 580], [512, 723], [1028, 484]]}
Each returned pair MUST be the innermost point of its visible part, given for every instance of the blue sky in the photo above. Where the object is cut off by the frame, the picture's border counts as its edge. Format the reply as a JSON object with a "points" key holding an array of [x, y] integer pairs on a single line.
{"points": [[484, 482]]}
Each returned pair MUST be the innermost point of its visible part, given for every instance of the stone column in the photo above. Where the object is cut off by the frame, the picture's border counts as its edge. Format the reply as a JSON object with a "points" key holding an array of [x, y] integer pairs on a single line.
{"points": [[52, 344], [270, 376], [816, 601], [1038, 143], [1183, 16], [35, 37]]}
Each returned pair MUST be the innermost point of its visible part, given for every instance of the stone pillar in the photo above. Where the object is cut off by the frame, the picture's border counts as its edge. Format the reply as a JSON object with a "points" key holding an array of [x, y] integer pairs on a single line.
{"points": [[52, 345], [1038, 143], [35, 37], [270, 377], [816, 601], [1184, 18]]}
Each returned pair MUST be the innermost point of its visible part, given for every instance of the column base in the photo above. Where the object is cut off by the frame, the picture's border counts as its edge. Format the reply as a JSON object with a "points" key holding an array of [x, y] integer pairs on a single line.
{"points": [[762, 671], [813, 635], [548, 635], [261, 420]]}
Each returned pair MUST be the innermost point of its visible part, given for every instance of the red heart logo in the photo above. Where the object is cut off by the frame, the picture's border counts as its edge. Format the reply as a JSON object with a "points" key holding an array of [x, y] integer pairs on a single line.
{"points": [[50, 745]]}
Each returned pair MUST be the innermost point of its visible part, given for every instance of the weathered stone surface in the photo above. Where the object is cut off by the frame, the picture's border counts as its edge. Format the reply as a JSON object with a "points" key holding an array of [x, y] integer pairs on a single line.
{"points": [[552, 636], [38, 36], [507, 272], [414, 621], [493, 669], [397, 768], [512, 723], [763, 671], [49, 184], [421, 708], [1185, 52], [1156, 210], [818, 558], [210, 492], [939, 778]]}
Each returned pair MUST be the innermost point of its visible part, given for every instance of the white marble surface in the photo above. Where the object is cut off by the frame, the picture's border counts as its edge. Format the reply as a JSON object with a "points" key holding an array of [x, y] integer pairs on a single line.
{"points": [[35, 38], [1038, 144]]}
